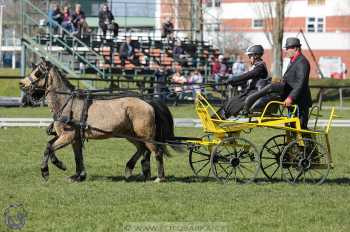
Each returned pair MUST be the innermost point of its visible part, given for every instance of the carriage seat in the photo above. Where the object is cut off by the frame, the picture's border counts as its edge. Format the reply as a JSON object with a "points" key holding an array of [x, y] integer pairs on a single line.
{"points": [[256, 102]]}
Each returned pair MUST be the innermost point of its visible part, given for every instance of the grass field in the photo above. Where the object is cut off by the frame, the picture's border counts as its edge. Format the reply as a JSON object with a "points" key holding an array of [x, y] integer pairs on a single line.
{"points": [[105, 202]]}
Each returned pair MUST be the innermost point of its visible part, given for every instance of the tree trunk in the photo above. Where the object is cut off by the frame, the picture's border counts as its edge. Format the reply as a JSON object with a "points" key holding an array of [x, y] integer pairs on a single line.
{"points": [[277, 37]]}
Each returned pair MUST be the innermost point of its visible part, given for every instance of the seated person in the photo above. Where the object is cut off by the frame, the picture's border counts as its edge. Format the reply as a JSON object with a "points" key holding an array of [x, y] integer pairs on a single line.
{"points": [[222, 72], [178, 80], [179, 54], [55, 15], [196, 81], [105, 21], [127, 52], [257, 72], [78, 20], [67, 20]]}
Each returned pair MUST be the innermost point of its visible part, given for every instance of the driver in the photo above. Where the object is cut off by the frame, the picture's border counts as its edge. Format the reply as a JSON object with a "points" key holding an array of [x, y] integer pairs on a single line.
{"points": [[257, 73]]}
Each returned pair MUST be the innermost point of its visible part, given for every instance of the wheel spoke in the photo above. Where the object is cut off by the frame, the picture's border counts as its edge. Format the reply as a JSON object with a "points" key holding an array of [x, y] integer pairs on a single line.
{"points": [[279, 150], [203, 167], [273, 158], [246, 168], [229, 174], [290, 173], [266, 167], [240, 170], [275, 171], [313, 149], [198, 161], [201, 153], [223, 168], [209, 171]]}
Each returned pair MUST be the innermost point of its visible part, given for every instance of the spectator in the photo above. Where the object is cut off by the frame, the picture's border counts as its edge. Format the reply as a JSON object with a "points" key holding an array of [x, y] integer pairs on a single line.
{"points": [[178, 80], [238, 67], [215, 67], [179, 54], [55, 15], [67, 20], [78, 20], [196, 81], [168, 29], [161, 89], [105, 21], [222, 74], [127, 52]]}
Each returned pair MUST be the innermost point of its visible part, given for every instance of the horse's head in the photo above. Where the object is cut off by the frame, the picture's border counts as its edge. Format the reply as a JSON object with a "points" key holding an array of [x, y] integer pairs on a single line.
{"points": [[36, 83], [37, 79]]}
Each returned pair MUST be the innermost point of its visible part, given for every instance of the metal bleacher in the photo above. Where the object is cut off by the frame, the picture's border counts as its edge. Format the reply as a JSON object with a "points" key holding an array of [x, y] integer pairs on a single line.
{"points": [[100, 56]]}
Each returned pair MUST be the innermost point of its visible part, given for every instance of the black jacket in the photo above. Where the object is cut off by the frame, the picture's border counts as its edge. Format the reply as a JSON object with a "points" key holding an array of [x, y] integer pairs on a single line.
{"points": [[104, 16], [296, 82], [124, 50], [168, 28], [258, 72]]}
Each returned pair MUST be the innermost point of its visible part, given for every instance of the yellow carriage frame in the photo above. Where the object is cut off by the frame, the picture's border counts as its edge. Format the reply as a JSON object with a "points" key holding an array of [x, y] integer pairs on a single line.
{"points": [[221, 129]]}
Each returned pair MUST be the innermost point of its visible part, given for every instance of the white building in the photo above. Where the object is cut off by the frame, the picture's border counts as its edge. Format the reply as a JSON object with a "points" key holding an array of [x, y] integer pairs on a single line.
{"points": [[326, 25]]}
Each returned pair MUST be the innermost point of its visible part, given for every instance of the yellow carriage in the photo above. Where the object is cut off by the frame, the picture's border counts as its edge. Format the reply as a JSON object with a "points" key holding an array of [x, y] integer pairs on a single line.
{"points": [[297, 154]]}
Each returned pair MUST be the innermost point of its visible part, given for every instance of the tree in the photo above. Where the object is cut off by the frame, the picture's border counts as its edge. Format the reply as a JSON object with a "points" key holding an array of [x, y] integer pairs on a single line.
{"points": [[273, 14]]}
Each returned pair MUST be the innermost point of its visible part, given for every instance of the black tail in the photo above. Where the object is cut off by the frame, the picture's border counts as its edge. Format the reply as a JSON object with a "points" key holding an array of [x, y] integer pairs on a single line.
{"points": [[164, 124]]}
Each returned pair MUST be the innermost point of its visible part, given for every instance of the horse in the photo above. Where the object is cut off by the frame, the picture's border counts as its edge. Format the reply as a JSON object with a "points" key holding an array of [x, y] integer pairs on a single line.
{"points": [[140, 122]]}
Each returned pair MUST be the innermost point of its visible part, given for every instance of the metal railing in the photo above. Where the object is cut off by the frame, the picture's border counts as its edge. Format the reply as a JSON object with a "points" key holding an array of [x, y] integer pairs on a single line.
{"points": [[31, 17]]}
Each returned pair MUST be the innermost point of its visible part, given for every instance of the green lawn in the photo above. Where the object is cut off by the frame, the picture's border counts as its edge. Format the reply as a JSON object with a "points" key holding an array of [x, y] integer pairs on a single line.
{"points": [[105, 201], [181, 111]]}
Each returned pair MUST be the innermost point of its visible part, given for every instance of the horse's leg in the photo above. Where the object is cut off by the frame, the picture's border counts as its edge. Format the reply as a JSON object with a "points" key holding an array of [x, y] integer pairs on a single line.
{"points": [[159, 158], [146, 164], [80, 174], [47, 154], [160, 167], [132, 161], [53, 145]]}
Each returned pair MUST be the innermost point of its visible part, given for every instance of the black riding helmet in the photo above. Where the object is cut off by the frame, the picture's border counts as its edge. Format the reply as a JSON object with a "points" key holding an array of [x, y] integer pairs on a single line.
{"points": [[256, 50]]}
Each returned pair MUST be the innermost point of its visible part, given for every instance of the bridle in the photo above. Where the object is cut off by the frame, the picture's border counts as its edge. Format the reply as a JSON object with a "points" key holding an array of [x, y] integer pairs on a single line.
{"points": [[38, 93]]}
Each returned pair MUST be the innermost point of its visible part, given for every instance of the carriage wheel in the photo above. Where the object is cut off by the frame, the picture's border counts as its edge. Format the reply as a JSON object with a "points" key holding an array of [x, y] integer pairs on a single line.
{"points": [[235, 159], [308, 163], [199, 159], [270, 155]]}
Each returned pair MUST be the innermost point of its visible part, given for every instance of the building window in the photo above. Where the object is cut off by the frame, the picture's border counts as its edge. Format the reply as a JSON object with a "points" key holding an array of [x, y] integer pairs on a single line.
{"points": [[258, 23], [316, 2], [213, 27], [315, 24], [213, 3]]}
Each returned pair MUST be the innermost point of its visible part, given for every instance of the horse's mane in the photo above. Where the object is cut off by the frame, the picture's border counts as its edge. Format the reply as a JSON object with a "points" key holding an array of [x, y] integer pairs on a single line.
{"points": [[62, 77]]}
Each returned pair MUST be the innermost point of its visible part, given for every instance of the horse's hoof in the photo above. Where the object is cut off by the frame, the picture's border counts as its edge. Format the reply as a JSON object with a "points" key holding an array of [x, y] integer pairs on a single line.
{"points": [[145, 176], [127, 173], [159, 180], [77, 178], [45, 174]]}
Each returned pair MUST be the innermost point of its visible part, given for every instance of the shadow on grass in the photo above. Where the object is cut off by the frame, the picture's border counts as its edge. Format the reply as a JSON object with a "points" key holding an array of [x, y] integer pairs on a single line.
{"points": [[183, 179], [333, 181], [202, 179]]}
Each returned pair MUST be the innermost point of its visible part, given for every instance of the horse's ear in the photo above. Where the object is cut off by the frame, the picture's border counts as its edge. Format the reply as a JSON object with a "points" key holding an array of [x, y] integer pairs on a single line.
{"points": [[47, 63]]}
